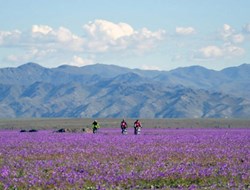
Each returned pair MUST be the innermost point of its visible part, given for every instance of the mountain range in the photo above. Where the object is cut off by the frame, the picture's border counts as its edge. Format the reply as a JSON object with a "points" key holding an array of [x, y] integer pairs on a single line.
{"points": [[100, 90]]}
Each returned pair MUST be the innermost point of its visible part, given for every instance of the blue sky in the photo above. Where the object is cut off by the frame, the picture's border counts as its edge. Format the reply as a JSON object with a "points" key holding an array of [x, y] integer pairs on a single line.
{"points": [[145, 34]]}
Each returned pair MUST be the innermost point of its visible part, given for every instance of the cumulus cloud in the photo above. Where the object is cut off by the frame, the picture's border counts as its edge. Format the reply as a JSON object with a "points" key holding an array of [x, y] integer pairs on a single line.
{"points": [[42, 29], [211, 52], [233, 51], [61, 38], [229, 35], [145, 40], [98, 36], [43, 37], [214, 52], [185, 30], [9, 37], [226, 32], [104, 36], [30, 54], [72, 41], [103, 28]]}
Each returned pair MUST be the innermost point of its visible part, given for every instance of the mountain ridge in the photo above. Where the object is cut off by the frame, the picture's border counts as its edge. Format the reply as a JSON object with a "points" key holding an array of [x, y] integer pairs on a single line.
{"points": [[99, 90]]}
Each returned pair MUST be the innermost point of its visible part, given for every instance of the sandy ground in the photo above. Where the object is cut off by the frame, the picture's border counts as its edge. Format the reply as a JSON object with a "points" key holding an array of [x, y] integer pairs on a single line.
{"points": [[147, 123]]}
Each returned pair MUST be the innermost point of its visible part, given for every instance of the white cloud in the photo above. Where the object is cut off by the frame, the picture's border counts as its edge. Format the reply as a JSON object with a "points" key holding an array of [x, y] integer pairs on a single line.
{"points": [[145, 33], [238, 38], [226, 32], [79, 61], [9, 37], [233, 51], [106, 36], [145, 40], [99, 36], [150, 67], [61, 38], [17, 58], [31, 54], [185, 30], [72, 41], [12, 58], [215, 52], [211, 52], [42, 29], [65, 35], [103, 28], [229, 35]]}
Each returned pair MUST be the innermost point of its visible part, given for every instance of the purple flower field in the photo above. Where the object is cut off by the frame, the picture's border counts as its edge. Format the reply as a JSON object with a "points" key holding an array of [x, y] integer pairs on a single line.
{"points": [[158, 158]]}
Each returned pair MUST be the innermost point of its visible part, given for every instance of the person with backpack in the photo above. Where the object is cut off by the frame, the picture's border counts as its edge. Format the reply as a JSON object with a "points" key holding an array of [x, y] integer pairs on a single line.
{"points": [[124, 126], [137, 127], [95, 126]]}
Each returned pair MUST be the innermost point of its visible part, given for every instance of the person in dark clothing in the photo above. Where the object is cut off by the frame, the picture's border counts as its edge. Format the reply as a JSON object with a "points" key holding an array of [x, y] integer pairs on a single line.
{"points": [[124, 126], [137, 127], [95, 126]]}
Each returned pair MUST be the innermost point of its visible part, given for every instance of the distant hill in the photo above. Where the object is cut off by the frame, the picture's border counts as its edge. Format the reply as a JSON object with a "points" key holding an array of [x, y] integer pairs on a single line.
{"points": [[102, 90]]}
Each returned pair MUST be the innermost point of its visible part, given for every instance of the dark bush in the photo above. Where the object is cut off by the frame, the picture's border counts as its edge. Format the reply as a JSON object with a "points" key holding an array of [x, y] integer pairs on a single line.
{"points": [[61, 130], [32, 130]]}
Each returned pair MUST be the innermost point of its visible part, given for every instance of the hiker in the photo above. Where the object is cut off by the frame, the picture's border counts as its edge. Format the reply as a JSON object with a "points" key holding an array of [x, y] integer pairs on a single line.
{"points": [[124, 127], [95, 126], [137, 127]]}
